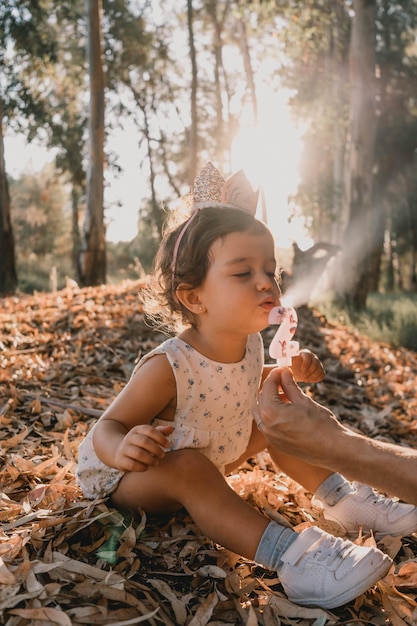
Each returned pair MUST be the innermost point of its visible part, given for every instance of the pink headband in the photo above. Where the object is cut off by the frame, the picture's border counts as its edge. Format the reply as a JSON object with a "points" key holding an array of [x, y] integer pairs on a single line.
{"points": [[212, 190]]}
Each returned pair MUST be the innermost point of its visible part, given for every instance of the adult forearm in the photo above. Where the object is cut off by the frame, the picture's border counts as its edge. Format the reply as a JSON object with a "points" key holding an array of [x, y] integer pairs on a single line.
{"points": [[388, 467], [304, 429]]}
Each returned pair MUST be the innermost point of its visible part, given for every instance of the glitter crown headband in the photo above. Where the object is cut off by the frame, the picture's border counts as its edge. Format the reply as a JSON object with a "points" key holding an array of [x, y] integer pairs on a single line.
{"points": [[211, 189]]}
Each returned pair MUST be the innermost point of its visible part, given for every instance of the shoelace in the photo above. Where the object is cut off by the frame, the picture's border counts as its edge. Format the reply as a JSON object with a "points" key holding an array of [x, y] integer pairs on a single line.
{"points": [[382, 501], [331, 551]]}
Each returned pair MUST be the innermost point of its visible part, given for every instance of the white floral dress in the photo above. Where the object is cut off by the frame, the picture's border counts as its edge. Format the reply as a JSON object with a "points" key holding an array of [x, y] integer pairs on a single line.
{"points": [[213, 414]]}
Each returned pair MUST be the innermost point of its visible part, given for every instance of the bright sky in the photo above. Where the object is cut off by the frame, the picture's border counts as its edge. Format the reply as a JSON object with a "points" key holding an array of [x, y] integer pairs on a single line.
{"points": [[123, 194], [21, 158], [269, 155]]}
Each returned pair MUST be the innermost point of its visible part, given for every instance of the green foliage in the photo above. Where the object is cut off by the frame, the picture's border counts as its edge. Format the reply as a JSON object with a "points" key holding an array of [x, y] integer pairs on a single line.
{"points": [[133, 259], [299, 45], [388, 318], [39, 220], [27, 45], [43, 273], [41, 226], [123, 262]]}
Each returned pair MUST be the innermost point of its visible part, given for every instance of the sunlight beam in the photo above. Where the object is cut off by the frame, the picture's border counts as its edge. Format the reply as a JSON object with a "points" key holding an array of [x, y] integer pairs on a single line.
{"points": [[270, 155]]}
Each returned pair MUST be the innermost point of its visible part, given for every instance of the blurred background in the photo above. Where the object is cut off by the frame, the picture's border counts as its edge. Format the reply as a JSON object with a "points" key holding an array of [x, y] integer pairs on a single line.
{"points": [[109, 109]]}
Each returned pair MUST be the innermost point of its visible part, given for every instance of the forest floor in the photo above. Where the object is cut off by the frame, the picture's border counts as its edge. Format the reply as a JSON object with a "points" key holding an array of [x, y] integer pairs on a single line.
{"points": [[67, 561]]}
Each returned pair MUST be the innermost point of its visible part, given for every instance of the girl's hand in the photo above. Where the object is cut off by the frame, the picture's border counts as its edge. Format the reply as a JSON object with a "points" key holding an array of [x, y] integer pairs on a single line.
{"points": [[307, 367], [142, 447]]}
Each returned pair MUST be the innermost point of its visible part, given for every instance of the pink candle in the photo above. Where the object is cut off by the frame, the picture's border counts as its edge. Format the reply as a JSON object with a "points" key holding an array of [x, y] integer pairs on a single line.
{"points": [[282, 348]]}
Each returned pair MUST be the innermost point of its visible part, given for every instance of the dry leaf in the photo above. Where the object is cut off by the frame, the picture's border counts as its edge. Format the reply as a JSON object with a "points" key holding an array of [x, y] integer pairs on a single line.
{"points": [[63, 560]]}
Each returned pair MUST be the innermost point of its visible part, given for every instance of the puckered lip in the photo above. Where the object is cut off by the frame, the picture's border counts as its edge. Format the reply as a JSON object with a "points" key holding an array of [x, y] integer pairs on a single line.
{"points": [[268, 304]]}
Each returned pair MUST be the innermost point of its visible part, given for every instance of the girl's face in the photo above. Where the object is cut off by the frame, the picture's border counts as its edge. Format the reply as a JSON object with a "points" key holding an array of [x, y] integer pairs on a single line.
{"points": [[240, 287]]}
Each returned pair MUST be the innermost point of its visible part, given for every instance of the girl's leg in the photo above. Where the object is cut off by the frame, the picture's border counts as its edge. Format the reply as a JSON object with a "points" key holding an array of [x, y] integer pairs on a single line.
{"points": [[313, 567], [310, 476], [186, 478], [351, 505]]}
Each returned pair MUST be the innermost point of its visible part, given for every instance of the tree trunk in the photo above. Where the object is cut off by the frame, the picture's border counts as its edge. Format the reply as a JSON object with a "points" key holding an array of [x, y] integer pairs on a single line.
{"points": [[193, 160], [157, 214], [376, 243], [339, 79], [251, 87], [247, 63], [8, 277], [213, 8], [412, 221], [358, 243], [93, 244], [389, 281], [76, 193]]}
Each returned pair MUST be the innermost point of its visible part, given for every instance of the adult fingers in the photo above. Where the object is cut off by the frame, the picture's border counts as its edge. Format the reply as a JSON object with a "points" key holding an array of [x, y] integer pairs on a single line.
{"points": [[290, 388], [280, 378]]}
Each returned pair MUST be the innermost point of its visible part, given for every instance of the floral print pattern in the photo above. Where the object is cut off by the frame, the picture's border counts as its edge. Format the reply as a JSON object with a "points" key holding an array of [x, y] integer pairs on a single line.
{"points": [[213, 414]]}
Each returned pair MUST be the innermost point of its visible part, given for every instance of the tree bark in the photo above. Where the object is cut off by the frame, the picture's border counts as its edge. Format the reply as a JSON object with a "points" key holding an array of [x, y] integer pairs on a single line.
{"points": [[358, 243], [93, 244], [193, 159], [339, 79], [218, 15], [8, 276]]}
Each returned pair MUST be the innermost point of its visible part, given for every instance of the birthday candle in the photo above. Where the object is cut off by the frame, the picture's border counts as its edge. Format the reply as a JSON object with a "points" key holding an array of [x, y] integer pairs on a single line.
{"points": [[282, 348]]}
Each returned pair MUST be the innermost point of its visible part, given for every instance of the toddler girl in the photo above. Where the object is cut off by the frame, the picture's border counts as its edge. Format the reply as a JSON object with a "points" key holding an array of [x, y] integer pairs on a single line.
{"points": [[184, 419]]}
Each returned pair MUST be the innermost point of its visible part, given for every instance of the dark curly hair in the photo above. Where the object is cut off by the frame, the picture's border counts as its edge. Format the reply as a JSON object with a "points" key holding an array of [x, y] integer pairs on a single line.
{"points": [[161, 305]]}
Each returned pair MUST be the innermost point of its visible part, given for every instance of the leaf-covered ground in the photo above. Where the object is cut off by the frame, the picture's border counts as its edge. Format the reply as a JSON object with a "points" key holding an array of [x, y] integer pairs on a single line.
{"points": [[66, 561]]}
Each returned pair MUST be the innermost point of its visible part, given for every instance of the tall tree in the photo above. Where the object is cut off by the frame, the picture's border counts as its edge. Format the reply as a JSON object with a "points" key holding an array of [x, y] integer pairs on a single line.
{"points": [[8, 276], [66, 111], [27, 43], [93, 244], [193, 154], [218, 13], [139, 71], [353, 279], [396, 141], [316, 38]]}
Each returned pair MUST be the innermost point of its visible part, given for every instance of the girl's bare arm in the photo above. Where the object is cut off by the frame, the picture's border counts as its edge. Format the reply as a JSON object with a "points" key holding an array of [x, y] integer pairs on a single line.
{"points": [[123, 437]]}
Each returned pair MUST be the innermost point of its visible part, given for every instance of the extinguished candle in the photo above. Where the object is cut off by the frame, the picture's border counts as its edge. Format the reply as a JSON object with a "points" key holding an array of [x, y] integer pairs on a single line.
{"points": [[282, 348]]}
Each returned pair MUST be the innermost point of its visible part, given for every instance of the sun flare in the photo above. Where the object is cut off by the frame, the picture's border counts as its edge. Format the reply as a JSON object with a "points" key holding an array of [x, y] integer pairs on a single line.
{"points": [[270, 155]]}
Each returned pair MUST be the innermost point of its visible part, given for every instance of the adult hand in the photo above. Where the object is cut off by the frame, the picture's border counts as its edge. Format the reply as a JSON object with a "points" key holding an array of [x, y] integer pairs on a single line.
{"points": [[293, 422]]}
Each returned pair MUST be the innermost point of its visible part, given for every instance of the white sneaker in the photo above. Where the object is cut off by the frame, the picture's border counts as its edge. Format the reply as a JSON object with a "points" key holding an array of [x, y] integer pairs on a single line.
{"points": [[321, 570], [365, 508]]}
